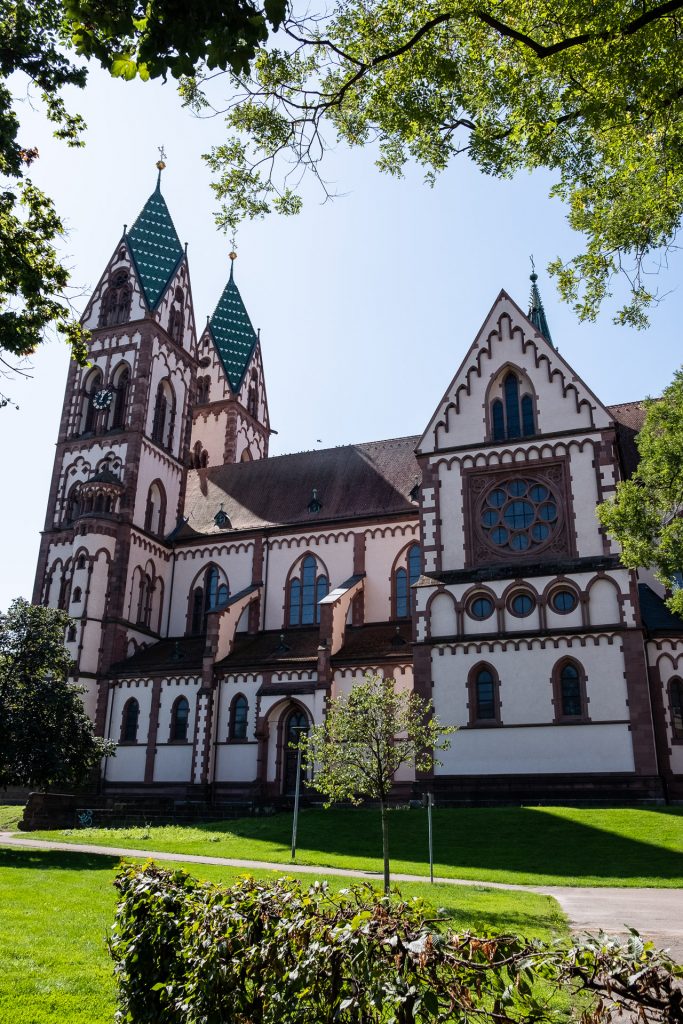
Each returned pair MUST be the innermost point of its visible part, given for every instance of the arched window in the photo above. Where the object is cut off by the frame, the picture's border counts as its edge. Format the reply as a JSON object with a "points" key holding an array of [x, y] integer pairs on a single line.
{"points": [[484, 700], [164, 415], [180, 718], [71, 635], [176, 319], [121, 381], [76, 598], [305, 592], [404, 577], [145, 590], [239, 712], [73, 505], [89, 415], [155, 510], [115, 308], [676, 705], [203, 389], [569, 688], [246, 456], [513, 415], [129, 721], [200, 456], [210, 593], [252, 396], [80, 562]]}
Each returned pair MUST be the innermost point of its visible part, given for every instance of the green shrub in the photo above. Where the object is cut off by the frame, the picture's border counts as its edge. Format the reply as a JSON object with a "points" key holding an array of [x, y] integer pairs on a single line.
{"points": [[188, 952]]}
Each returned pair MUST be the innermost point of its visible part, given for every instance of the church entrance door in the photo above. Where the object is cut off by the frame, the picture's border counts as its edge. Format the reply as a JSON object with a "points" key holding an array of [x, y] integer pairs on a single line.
{"points": [[295, 725]]}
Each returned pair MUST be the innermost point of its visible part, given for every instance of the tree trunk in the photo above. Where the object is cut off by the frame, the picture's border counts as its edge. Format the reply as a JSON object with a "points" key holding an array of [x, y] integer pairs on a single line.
{"points": [[385, 846]]}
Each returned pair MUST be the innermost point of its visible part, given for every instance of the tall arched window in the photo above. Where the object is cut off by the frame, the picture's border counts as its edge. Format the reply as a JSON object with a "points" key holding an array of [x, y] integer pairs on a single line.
{"points": [[210, 592], [239, 713], [512, 416], [129, 721], [676, 705], [115, 308], [296, 724], [306, 590], [203, 389], [484, 699], [164, 414], [155, 510], [252, 396], [89, 415], [569, 686], [145, 591], [176, 319], [121, 381], [404, 577], [180, 718]]}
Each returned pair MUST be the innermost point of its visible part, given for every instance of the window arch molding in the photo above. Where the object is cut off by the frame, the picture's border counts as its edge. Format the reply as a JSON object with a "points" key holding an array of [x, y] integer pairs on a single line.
{"points": [[484, 593], [406, 569], [163, 420], [92, 383], [130, 720], [603, 582], [307, 583], [176, 316], [507, 599], [180, 720], [483, 696], [445, 608], [570, 699], [282, 714], [120, 384], [511, 405], [238, 719], [674, 689], [155, 508], [116, 300], [556, 586]]}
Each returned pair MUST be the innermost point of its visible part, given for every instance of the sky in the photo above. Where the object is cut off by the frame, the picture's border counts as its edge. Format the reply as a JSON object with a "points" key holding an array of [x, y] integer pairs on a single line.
{"points": [[366, 304]]}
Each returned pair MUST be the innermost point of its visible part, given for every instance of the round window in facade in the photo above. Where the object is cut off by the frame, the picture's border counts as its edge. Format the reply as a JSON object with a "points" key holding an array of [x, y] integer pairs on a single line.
{"points": [[480, 607], [519, 515], [563, 601], [522, 605]]}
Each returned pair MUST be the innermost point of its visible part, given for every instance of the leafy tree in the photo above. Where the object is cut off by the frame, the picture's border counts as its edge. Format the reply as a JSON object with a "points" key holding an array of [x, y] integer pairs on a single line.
{"points": [[46, 738], [365, 739], [646, 515], [588, 89]]}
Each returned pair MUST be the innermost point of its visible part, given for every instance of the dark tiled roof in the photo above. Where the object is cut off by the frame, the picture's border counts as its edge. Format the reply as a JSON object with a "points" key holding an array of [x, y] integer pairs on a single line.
{"points": [[656, 616], [377, 640], [629, 418], [352, 481], [155, 246], [274, 647], [232, 333], [176, 654]]}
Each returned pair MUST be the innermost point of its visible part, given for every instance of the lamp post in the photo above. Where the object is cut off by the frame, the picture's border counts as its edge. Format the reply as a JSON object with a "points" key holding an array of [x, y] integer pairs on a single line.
{"points": [[298, 729], [430, 803]]}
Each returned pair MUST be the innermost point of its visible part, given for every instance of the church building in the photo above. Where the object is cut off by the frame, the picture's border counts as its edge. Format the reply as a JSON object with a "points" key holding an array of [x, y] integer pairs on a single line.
{"points": [[220, 596]]}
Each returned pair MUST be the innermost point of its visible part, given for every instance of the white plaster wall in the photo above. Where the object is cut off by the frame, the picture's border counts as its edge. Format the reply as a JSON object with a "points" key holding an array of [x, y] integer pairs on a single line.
{"points": [[209, 426], [452, 518], [604, 602], [142, 692], [442, 614], [155, 465], [584, 489], [173, 763], [235, 560], [382, 547]]}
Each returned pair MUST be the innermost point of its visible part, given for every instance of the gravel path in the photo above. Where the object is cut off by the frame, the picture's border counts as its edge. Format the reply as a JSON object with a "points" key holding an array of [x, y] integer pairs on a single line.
{"points": [[656, 913]]}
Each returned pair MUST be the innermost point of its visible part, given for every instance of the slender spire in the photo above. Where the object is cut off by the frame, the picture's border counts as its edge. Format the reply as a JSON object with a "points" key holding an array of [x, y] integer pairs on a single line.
{"points": [[536, 310]]}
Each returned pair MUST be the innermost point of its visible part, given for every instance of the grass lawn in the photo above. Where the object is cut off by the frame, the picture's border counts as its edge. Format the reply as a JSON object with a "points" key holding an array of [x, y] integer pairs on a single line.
{"points": [[10, 816], [57, 907], [527, 845]]}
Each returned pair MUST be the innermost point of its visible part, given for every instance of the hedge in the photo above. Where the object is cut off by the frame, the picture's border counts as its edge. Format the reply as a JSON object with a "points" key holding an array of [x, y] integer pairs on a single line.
{"points": [[274, 953]]}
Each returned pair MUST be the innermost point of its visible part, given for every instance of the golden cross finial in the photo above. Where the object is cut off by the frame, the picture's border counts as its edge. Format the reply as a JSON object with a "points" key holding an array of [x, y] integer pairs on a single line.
{"points": [[161, 162]]}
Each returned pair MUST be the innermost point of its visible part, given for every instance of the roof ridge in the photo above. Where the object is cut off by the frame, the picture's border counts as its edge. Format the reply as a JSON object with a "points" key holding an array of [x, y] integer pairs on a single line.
{"points": [[317, 451]]}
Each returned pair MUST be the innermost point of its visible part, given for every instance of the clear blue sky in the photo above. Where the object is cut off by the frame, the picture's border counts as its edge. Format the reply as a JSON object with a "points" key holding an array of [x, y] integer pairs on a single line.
{"points": [[366, 305]]}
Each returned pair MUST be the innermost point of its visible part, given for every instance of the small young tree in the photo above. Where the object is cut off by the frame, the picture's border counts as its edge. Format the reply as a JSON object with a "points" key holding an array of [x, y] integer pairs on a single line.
{"points": [[365, 739], [46, 737]]}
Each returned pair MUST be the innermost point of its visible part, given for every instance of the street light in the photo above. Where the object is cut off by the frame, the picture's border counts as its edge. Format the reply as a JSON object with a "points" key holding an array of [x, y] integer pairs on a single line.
{"points": [[298, 729]]}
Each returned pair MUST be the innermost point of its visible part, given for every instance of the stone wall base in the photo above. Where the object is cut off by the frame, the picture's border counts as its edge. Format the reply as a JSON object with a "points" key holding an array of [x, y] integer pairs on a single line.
{"points": [[492, 790]]}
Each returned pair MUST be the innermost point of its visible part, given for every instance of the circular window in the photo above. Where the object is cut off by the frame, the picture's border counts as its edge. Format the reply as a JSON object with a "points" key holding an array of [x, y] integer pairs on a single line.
{"points": [[522, 605], [480, 608], [563, 601], [519, 515]]}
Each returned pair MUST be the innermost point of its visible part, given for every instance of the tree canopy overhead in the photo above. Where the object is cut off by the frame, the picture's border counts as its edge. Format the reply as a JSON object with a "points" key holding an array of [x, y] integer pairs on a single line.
{"points": [[589, 90]]}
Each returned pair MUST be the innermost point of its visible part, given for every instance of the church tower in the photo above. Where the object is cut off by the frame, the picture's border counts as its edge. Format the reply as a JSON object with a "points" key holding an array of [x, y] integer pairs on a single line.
{"points": [[230, 418], [123, 447]]}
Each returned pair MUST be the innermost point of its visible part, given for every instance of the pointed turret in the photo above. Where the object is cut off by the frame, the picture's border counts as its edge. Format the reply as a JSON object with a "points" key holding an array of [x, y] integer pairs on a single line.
{"points": [[536, 310], [154, 245], [232, 332]]}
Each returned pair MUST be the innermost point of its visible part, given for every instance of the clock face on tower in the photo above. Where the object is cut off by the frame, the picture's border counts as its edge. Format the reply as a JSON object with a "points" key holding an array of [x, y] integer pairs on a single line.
{"points": [[102, 398]]}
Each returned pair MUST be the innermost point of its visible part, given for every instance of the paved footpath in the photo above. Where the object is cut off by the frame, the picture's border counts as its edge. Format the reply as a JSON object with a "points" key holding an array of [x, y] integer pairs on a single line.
{"points": [[655, 913]]}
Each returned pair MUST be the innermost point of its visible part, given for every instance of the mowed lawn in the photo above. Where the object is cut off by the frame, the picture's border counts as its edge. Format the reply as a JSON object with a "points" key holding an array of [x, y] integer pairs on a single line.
{"points": [[56, 909], [526, 845]]}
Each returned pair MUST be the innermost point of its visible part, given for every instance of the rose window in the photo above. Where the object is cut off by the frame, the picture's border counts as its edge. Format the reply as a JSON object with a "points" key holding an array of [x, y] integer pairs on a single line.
{"points": [[519, 515]]}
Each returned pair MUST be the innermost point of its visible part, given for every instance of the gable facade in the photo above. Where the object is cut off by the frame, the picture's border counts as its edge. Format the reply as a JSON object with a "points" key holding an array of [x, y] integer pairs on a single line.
{"points": [[221, 597]]}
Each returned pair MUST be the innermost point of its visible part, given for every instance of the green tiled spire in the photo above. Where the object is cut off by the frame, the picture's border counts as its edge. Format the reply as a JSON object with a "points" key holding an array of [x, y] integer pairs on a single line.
{"points": [[156, 248], [232, 333], [536, 310]]}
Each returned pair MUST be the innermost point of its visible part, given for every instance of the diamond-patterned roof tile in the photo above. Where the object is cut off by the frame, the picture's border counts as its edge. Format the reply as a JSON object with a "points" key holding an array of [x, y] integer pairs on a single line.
{"points": [[232, 333], [154, 243]]}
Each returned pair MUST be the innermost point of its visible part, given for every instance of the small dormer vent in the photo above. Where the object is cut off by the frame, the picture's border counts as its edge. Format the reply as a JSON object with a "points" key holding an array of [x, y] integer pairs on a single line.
{"points": [[315, 504], [221, 519]]}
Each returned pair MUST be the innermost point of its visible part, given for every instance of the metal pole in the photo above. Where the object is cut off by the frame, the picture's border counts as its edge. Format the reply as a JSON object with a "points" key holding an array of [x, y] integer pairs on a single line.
{"points": [[296, 797], [430, 800]]}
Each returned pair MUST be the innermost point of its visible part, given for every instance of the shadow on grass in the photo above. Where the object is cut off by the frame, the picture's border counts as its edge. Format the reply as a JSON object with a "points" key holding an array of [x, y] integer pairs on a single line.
{"points": [[508, 839], [56, 860]]}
